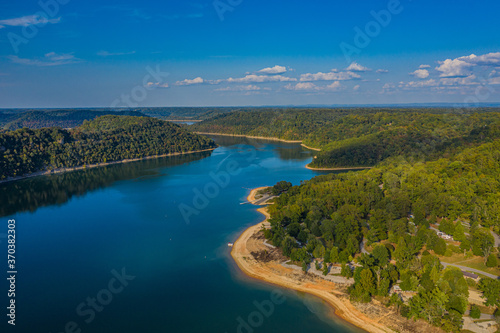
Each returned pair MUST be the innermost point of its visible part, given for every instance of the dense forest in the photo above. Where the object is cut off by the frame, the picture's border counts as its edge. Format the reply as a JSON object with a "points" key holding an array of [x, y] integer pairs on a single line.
{"points": [[365, 137], [12, 119], [388, 209], [34, 119], [104, 139]]}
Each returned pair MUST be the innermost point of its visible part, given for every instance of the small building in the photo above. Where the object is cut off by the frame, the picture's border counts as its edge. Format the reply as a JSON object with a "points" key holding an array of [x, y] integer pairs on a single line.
{"points": [[469, 275]]}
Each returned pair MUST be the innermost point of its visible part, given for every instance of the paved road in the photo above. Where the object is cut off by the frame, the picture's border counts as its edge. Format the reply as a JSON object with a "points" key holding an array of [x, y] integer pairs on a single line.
{"points": [[473, 270], [264, 199], [484, 316], [496, 237], [363, 246]]}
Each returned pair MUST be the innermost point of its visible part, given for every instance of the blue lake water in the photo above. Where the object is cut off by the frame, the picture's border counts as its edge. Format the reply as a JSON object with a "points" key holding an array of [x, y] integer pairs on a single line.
{"points": [[79, 233]]}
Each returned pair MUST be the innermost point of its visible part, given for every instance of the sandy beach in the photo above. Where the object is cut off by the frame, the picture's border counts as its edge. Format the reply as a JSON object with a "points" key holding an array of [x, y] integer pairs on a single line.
{"points": [[336, 169], [250, 137], [274, 273], [253, 193], [261, 262], [98, 165]]}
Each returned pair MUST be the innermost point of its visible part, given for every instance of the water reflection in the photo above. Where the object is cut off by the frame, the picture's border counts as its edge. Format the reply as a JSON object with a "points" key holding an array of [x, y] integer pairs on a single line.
{"points": [[286, 151], [33, 193]]}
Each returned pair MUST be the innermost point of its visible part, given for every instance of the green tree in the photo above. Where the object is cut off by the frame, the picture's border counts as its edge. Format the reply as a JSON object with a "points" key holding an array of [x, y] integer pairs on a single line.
{"points": [[459, 232], [482, 242], [287, 245], [334, 255], [491, 291], [381, 255], [492, 260], [447, 226], [325, 269], [475, 312], [304, 267], [346, 271]]}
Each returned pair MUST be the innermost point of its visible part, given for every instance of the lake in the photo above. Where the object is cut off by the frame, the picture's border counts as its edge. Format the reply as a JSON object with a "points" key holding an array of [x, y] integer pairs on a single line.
{"points": [[142, 247]]}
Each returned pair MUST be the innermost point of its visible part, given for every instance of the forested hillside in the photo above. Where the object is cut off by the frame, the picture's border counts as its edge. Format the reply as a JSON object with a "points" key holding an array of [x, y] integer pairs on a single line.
{"points": [[105, 139], [70, 118], [365, 137], [391, 207]]}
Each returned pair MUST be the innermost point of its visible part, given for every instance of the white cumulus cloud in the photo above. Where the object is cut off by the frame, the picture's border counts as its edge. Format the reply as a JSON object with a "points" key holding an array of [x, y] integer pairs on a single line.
{"points": [[157, 85], [454, 68], [188, 82], [249, 87], [26, 21], [273, 70], [355, 67], [253, 78], [420, 73], [332, 76]]}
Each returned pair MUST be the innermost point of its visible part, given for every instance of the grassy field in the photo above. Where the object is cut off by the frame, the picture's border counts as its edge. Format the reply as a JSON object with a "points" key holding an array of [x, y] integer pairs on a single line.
{"points": [[474, 262]]}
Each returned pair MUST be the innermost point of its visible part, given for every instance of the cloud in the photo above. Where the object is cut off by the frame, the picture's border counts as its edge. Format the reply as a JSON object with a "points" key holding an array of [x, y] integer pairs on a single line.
{"points": [[49, 59], [188, 82], [334, 75], [443, 82], [252, 78], [302, 86], [334, 86], [424, 66], [309, 86], [454, 68], [419, 84], [461, 67], [494, 80], [249, 87], [273, 70], [157, 85], [355, 67], [420, 73], [356, 87], [459, 81], [489, 59], [381, 71], [109, 54], [26, 21]]}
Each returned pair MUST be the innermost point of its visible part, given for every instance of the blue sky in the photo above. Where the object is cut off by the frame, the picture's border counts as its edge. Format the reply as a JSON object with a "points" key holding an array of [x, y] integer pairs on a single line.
{"points": [[70, 53]]}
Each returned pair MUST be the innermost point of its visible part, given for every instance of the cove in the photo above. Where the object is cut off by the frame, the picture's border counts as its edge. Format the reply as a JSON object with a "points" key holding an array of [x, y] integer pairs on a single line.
{"points": [[79, 232]]}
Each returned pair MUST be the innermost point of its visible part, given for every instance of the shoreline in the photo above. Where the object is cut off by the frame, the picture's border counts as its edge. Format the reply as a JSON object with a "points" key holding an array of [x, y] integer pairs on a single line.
{"points": [[260, 137], [287, 141], [253, 193], [323, 289], [98, 165], [337, 169], [252, 137]]}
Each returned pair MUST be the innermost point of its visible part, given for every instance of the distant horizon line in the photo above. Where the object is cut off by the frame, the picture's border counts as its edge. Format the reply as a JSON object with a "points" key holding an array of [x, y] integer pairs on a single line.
{"points": [[436, 104]]}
